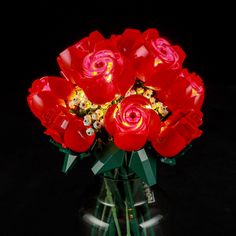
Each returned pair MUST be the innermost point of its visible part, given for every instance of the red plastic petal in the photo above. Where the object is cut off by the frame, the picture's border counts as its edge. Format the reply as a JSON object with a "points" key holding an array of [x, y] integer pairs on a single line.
{"points": [[60, 87], [180, 52], [162, 80], [169, 143], [94, 38], [126, 79], [150, 34], [109, 120], [184, 91], [178, 131], [106, 92], [76, 138], [155, 125], [129, 41], [42, 101], [55, 135], [129, 122], [187, 127], [135, 99], [130, 141]]}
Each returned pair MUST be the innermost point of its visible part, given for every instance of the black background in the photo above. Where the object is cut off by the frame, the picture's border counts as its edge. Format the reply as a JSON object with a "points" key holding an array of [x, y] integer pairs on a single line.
{"points": [[36, 198]]}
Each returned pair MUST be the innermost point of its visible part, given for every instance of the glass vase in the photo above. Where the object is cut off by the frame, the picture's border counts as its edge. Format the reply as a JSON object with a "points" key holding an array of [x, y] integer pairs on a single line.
{"points": [[120, 204]]}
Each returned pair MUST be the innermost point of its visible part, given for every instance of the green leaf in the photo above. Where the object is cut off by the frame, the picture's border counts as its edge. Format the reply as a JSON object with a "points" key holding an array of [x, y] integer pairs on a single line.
{"points": [[69, 161], [110, 158], [143, 166]]}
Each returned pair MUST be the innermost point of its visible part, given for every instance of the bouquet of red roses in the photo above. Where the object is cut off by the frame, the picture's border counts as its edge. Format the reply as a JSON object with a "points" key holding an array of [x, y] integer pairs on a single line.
{"points": [[117, 98]]}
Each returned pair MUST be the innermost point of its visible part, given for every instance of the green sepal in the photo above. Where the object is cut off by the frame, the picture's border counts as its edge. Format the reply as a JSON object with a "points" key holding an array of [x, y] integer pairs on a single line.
{"points": [[69, 161], [169, 161], [172, 160], [185, 150], [108, 159], [144, 166], [84, 155], [62, 149]]}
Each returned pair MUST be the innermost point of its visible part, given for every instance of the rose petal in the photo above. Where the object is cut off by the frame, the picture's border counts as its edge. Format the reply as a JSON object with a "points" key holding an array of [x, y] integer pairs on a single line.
{"points": [[130, 141], [169, 143], [155, 125], [109, 120], [60, 87], [151, 34], [129, 41], [76, 138]]}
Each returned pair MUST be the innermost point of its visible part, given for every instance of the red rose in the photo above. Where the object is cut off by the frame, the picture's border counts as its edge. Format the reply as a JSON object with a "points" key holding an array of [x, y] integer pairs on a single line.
{"points": [[165, 54], [46, 100], [48, 93], [77, 137], [129, 42], [97, 66], [184, 91], [132, 42], [156, 55], [57, 123], [177, 132], [132, 122], [71, 133]]}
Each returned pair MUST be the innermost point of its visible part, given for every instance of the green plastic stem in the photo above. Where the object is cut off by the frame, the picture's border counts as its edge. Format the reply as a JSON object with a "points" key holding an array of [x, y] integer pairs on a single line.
{"points": [[127, 219], [113, 209], [111, 229], [130, 202], [114, 189]]}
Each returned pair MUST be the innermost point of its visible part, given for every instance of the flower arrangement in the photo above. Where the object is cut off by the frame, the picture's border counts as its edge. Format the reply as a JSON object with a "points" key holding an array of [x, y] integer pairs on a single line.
{"points": [[116, 99]]}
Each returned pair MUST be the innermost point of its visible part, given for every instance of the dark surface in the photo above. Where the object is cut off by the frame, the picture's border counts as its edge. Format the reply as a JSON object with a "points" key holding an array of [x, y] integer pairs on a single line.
{"points": [[36, 198]]}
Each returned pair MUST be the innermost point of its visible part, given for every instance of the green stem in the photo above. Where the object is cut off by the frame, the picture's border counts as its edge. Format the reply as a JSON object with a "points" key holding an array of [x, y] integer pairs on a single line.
{"points": [[117, 196], [113, 208], [111, 229], [130, 202], [127, 219]]}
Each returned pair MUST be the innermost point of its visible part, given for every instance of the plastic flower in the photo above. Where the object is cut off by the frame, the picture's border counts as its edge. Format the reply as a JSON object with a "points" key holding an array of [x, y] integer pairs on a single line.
{"points": [[48, 94], [132, 122], [152, 54], [133, 84], [47, 102], [119, 100], [96, 64], [77, 136], [177, 132], [185, 90]]}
